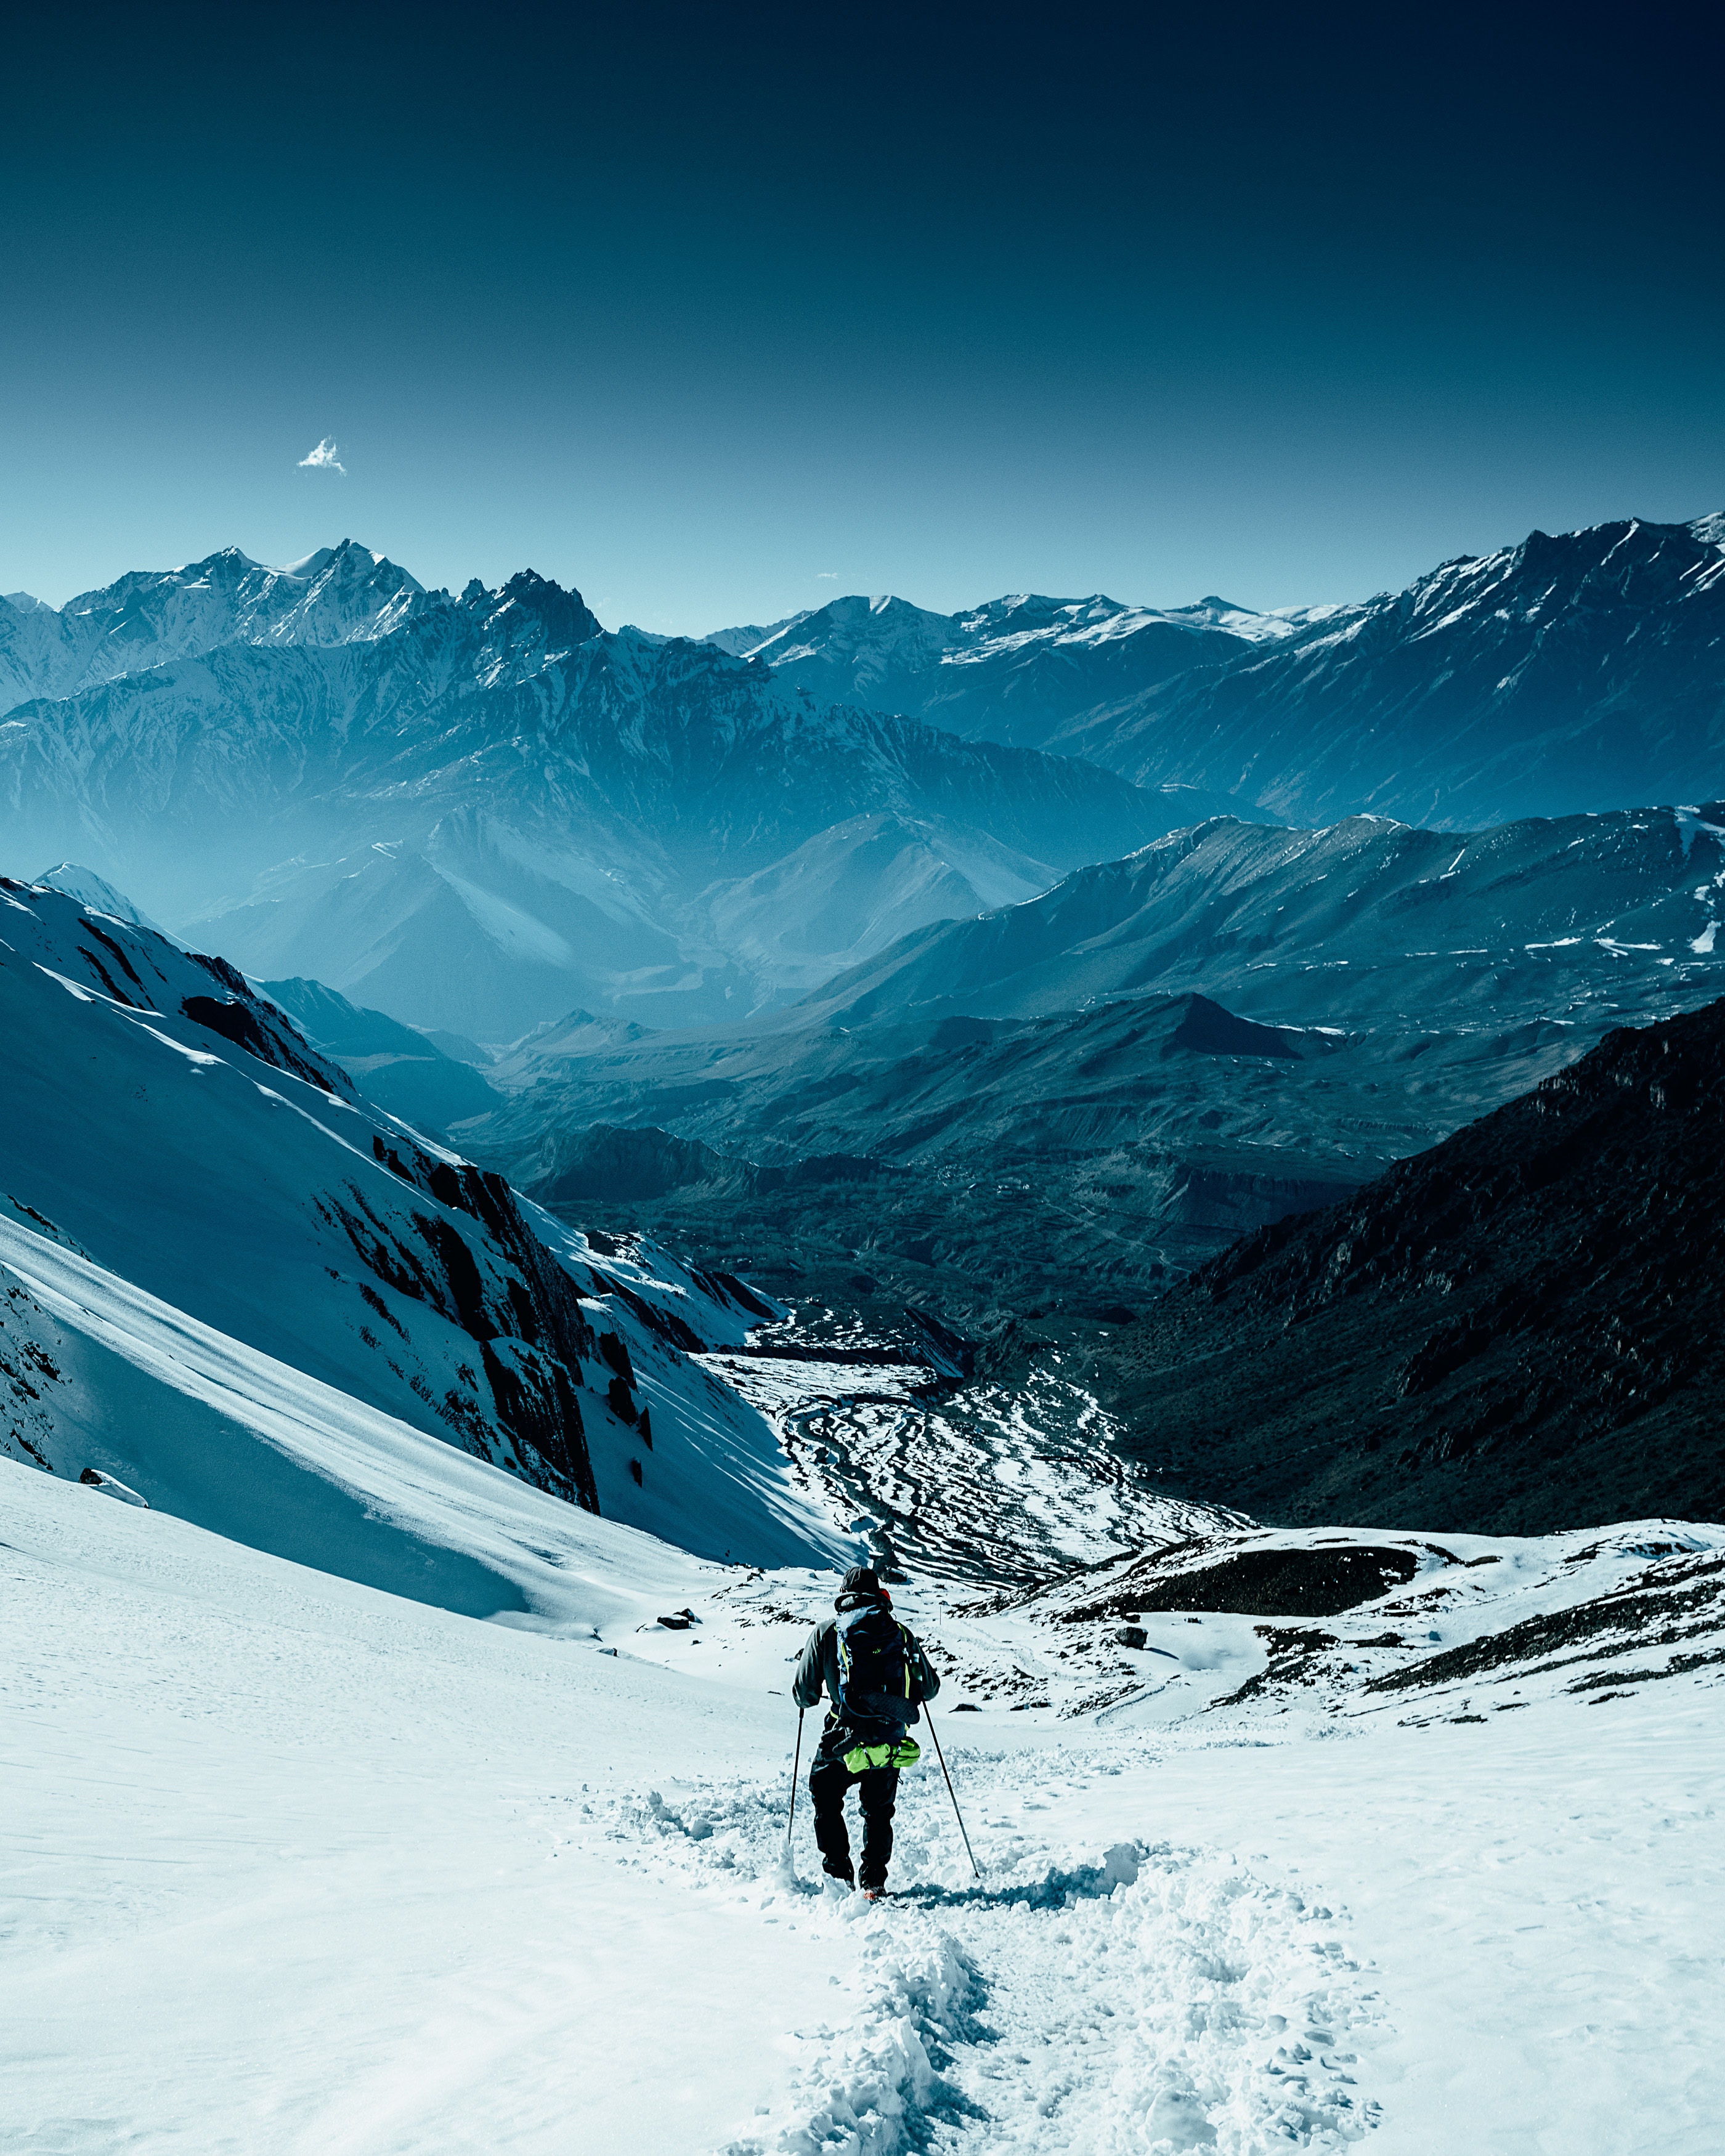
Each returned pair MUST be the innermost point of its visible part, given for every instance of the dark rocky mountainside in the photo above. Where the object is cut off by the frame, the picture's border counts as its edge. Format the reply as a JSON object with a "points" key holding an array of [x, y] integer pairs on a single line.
{"points": [[1520, 1330], [1078, 1164], [1082, 1161]]}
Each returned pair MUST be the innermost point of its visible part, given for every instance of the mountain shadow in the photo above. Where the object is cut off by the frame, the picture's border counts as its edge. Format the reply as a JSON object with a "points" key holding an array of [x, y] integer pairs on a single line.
{"points": [[1519, 1331]]}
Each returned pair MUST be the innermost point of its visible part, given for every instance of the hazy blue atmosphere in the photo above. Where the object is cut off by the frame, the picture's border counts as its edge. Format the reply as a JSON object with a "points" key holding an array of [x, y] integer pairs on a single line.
{"points": [[716, 316]]}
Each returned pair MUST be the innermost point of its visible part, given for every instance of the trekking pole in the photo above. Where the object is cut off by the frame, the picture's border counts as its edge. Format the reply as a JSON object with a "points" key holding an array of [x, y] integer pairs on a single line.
{"points": [[951, 1792], [796, 1765]]}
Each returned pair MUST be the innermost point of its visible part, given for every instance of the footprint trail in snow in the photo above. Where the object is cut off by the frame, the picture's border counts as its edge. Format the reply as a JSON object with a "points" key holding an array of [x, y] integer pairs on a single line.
{"points": [[1150, 1998]]}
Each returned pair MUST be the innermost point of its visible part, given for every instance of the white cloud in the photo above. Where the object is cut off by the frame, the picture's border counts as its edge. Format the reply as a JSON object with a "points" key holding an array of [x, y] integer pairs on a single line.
{"points": [[826, 576], [323, 457]]}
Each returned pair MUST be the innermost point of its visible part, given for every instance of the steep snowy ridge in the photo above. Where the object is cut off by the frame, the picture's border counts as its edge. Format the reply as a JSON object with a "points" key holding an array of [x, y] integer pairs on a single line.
{"points": [[1577, 671], [172, 1128], [85, 948], [94, 893]]}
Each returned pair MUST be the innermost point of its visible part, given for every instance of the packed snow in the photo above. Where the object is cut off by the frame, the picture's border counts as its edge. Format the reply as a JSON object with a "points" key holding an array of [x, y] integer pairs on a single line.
{"points": [[294, 1864]]}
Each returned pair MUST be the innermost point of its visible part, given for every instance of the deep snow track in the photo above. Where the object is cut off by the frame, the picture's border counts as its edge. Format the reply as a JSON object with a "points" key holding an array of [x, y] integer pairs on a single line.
{"points": [[1147, 2000]]}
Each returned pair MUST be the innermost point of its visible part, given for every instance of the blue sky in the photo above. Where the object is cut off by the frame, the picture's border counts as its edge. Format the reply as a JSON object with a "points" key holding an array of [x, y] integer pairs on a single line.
{"points": [[718, 315]]}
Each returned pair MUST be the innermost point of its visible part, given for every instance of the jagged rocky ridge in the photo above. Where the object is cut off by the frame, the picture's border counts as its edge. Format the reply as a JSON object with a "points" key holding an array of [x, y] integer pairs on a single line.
{"points": [[344, 594], [1580, 671], [1575, 671], [1520, 1329], [1020, 668]]}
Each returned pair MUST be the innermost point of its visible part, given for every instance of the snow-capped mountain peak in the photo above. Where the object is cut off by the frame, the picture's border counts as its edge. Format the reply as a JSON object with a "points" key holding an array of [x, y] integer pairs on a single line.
{"points": [[340, 594], [1013, 668], [335, 596], [94, 891]]}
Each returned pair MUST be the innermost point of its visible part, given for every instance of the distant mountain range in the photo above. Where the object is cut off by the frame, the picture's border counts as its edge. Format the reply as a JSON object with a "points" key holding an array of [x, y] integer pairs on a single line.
{"points": [[1581, 671], [477, 811], [341, 594], [1077, 1099], [1017, 669], [1362, 922], [480, 812]]}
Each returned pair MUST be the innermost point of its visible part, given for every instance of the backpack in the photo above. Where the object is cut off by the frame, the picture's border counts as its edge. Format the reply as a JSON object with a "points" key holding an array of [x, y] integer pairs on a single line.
{"points": [[873, 1667]]}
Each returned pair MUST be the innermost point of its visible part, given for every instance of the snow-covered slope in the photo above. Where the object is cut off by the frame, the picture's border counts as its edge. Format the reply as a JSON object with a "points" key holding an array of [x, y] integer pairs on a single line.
{"points": [[331, 1869], [172, 1131], [197, 1423]]}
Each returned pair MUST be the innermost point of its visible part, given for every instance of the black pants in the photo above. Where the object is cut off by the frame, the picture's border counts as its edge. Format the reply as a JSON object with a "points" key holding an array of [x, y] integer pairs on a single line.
{"points": [[829, 1783]]}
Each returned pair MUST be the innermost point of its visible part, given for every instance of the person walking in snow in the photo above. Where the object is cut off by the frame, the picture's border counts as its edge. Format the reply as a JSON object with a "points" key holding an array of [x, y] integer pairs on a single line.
{"points": [[875, 1674]]}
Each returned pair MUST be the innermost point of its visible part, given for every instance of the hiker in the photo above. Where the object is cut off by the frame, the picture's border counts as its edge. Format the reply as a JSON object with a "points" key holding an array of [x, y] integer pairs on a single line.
{"points": [[875, 1674]]}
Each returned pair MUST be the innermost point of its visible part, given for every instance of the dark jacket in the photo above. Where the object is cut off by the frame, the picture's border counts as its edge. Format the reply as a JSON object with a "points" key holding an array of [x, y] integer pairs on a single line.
{"points": [[818, 1669]]}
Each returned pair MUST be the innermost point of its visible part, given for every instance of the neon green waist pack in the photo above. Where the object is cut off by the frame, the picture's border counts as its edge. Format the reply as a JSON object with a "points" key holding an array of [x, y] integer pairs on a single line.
{"points": [[899, 1751]]}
